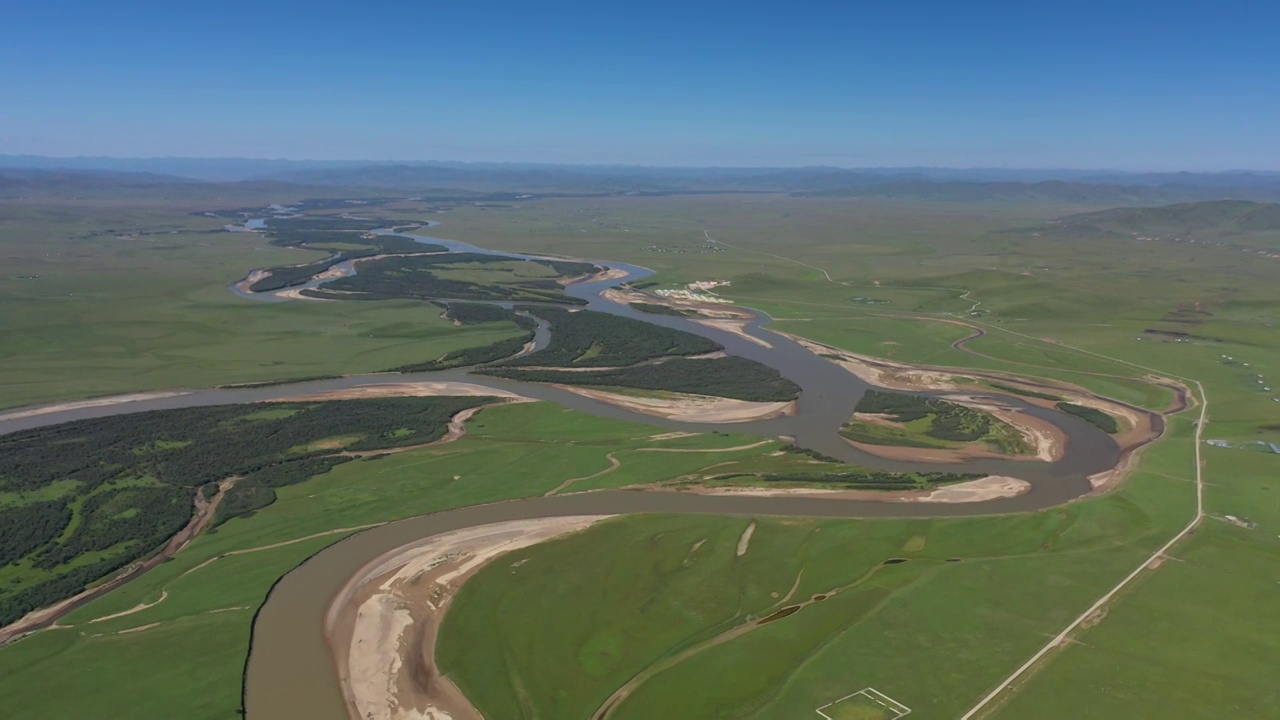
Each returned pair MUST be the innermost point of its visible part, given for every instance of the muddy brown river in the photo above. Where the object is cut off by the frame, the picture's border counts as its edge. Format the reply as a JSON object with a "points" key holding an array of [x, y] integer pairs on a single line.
{"points": [[290, 672]]}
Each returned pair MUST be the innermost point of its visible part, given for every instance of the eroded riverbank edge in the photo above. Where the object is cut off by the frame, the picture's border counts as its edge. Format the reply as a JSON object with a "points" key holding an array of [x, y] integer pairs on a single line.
{"points": [[382, 626]]}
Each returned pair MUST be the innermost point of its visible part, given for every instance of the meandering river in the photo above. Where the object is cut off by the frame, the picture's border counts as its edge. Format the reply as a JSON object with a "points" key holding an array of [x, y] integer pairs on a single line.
{"points": [[290, 672]]}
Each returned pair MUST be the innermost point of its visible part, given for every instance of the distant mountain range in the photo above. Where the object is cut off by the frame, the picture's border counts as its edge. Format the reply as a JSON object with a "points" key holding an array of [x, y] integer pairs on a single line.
{"points": [[26, 175]]}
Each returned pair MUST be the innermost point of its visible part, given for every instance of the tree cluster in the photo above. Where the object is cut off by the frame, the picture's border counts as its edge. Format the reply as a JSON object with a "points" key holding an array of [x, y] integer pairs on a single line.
{"points": [[730, 377], [1093, 416], [136, 476], [412, 277], [950, 420], [586, 338]]}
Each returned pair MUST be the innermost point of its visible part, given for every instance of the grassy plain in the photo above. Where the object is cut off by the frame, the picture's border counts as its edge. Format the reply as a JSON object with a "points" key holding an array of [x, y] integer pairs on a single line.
{"points": [[91, 310], [935, 264], [1193, 639], [189, 664], [528, 639]]}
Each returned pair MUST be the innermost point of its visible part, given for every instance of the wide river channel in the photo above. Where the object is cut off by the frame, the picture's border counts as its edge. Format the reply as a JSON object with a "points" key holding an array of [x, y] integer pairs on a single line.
{"points": [[290, 672]]}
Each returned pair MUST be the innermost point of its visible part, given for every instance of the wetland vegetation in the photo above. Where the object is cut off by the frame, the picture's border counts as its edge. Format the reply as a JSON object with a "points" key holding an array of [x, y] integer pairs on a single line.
{"points": [[731, 377], [78, 335], [1093, 416], [461, 276], [586, 338], [83, 499], [928, 422]]}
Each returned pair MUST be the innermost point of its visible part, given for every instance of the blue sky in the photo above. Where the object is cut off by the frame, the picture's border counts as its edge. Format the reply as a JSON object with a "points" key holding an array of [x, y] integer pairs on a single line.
{"points": [[1126, 85]]}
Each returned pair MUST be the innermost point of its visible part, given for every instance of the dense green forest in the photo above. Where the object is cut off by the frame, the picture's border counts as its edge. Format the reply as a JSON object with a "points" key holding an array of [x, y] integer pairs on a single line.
{"points": [[866, 479], [1101, 420], [1023, 391], [329, 241], [28, 527], [586, 338], [478, 314], [461, 276], [730, 377], [82, 499], [333, 234]]}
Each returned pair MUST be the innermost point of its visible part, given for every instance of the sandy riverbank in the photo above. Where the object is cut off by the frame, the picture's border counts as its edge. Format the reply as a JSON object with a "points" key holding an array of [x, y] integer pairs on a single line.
{"points": [[1048, 441], [690, 408], [704, 309], [1137, 426], [602, 276], [406, 389], [82, 404], [249, 280], [991, 487], [736, 326], [382, 626], [883, 373]]}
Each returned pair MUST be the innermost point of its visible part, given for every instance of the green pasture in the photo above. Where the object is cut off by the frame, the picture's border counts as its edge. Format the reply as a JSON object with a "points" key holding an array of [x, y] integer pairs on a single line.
{"points": [[529, 638], [91, 313], [96, 307], [211, 588]]}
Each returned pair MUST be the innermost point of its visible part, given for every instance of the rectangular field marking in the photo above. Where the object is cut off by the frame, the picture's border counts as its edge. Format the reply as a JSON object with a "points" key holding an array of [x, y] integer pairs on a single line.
{"points": [[866, 704]]}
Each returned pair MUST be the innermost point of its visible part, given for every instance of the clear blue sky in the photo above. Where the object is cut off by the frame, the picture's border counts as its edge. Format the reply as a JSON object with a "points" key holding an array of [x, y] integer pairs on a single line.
{"points": [[1121, 84]]}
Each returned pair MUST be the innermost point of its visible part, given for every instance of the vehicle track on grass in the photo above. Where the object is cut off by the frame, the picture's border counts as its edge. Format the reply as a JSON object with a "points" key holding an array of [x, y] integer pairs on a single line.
{"points": [[1099, 607]]}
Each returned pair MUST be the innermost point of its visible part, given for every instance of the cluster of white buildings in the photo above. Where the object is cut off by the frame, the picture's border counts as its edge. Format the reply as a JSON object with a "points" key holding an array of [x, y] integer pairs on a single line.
{"points": [[693, 296], [699, 291]]}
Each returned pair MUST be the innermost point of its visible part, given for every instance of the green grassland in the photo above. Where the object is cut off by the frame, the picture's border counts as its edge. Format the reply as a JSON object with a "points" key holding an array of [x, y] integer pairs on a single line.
{"points": [[1085, 295], [93, 312], [1192, 639], [510, 451], [928, 632]]}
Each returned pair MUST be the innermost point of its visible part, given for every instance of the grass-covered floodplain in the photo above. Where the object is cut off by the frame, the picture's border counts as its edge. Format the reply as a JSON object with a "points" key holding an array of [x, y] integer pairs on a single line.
{"points": [[189, 665], [554, 630], [107, 298], [1197, 636], [464, 276]]}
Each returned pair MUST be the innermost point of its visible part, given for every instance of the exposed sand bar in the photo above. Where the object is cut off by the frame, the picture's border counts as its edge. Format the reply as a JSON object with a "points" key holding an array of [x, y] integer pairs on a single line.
{"points": [[991, 487], [405, 389], [737, 327], [251, 279], [691, 408], [382, 625], [602, 275], [82, 404]]}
